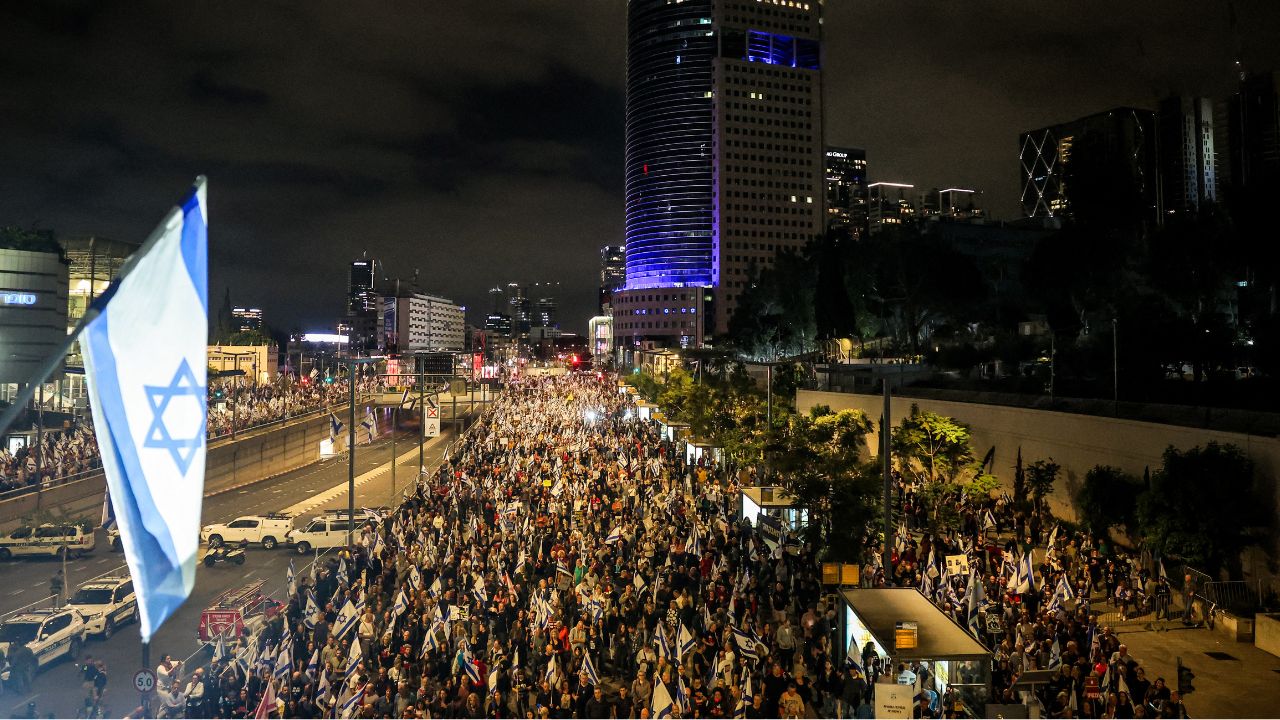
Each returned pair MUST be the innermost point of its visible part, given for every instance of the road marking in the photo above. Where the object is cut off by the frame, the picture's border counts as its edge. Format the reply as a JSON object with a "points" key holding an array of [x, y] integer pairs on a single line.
{"points": [[16, 592], [37, 584], [102, 560]]}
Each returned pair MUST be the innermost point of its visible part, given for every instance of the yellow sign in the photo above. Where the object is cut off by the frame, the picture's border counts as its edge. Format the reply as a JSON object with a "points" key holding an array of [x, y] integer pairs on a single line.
{"points": [[850, 574], [906, 635], [831, 573], [840, 574]]}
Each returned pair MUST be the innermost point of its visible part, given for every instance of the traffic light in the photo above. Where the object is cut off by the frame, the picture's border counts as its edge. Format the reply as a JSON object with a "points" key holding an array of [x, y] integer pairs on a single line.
{"points": [[1185, 676], [217, 394], [328, 380]]}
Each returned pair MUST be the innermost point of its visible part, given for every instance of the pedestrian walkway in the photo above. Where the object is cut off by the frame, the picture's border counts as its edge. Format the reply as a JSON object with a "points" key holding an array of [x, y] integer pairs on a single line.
{"points": [[1244, 683]]}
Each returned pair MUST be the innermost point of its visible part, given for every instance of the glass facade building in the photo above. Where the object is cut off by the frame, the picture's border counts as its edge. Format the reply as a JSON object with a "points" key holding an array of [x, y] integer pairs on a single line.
{"points": [[670, 51]]}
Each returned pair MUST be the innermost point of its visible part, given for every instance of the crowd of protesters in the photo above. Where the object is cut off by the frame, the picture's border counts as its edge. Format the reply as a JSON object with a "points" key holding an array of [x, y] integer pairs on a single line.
{"points": [[563, 562], [1034, 595], [566, 562], [58, 454]]}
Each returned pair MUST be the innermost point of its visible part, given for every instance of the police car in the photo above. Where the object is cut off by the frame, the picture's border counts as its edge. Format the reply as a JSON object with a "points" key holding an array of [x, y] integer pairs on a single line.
{"points": [[49, 540], [50, 634], [106, 604]]}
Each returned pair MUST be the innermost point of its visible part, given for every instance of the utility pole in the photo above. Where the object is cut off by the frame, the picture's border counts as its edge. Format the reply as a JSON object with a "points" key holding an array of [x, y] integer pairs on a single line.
{"points": [[422, 410], [1115, 367], [886, 426], [351, 456]]}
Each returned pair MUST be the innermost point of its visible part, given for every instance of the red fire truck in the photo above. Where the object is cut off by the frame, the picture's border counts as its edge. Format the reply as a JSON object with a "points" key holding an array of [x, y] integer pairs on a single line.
{"points": [[236, 610]]}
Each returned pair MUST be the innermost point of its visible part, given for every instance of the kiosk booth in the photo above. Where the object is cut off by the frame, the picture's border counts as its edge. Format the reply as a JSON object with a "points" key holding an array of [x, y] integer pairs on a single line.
{"points": [[645, 410], [903, 626], [696, 450], [774, 512]]}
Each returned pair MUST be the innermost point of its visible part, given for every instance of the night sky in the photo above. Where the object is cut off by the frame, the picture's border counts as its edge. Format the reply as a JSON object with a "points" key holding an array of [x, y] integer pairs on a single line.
{"points": [[482, 142]]}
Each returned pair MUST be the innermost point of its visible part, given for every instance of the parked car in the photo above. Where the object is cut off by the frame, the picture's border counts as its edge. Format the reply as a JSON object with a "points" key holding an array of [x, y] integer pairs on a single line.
{"points": [[269, 530]]}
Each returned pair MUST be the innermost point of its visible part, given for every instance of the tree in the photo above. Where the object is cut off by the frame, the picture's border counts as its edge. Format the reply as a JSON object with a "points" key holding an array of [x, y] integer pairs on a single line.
{"points": [[1041, 476], [932, 447], [1199, 507], [1106, 499], [818, 458], [936, 451]]}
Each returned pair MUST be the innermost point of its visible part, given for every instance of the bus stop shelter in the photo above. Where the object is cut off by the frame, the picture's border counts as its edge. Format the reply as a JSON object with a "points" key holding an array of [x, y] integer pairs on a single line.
{"points": [[903, 626]]}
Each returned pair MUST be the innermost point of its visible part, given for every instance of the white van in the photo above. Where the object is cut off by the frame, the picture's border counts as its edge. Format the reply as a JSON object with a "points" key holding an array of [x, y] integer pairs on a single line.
{"points": [[328, 531], [47, 540]]}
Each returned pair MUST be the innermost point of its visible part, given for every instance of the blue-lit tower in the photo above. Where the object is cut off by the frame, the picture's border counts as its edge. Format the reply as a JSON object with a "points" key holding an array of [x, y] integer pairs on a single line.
{"points": [[669, 132], [724, 157]]}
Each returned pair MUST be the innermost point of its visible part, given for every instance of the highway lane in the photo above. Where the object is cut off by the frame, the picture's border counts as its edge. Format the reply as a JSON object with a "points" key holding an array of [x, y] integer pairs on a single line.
{"points": [[57, 688]]}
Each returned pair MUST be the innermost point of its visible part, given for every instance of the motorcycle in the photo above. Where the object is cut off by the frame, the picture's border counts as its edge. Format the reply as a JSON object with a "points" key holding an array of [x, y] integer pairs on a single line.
{"points": [[224, 555]]}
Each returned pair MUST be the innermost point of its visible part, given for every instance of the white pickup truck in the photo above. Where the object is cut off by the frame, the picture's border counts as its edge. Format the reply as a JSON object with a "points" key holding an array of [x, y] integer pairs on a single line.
{"points": [[270, 530]]}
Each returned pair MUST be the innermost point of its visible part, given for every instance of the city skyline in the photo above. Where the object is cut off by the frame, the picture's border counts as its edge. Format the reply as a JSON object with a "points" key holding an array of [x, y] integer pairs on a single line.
{"points": [[411, 152]]}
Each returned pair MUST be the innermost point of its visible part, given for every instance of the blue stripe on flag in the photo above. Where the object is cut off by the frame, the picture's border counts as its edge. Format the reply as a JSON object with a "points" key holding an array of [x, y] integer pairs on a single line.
{"points": [[161, 567], [194, 241]]}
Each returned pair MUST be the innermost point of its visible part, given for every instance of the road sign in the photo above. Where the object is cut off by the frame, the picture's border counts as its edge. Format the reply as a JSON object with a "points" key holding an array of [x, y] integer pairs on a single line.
{"points": [[433, 412], [144, 681], [431, 426]]}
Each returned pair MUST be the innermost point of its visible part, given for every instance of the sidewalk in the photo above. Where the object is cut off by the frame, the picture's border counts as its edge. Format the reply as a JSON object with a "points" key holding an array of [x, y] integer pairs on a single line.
{"points": [[1246, 685]]}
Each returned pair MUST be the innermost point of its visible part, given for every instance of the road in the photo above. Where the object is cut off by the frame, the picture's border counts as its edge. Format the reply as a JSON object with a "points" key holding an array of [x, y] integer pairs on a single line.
{"points": [[24, 582]]}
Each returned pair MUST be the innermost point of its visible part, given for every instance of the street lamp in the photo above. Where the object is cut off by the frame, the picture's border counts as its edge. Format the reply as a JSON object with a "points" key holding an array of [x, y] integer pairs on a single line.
{"points": [[352, 364]]}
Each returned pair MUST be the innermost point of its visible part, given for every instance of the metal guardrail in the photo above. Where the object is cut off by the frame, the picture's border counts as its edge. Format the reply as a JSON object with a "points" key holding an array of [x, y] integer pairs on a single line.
{"points": [[51, 483]]}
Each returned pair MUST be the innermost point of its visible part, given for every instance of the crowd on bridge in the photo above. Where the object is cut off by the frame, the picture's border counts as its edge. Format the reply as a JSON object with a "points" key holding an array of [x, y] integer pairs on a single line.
{"points": [[55, 455], [565, 562], [64, 453], [246, 405]]}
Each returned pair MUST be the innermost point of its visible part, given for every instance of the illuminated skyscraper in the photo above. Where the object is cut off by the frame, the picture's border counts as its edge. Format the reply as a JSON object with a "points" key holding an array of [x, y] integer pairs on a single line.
{"points": [[847, 190], [724, 157]]}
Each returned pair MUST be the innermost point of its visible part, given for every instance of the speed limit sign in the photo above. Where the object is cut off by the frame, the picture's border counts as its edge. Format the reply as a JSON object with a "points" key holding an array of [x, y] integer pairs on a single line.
{"points": [[144, 681]]}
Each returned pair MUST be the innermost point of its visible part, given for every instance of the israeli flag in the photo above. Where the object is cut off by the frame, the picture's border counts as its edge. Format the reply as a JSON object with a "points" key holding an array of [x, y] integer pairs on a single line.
{"points": [[312, 609], [684, 640], [313, 665], [145, 363], [746, 644], [289, 580], [663, 645], [346, 620], [335, 425], [614, 535], [660, 706]]}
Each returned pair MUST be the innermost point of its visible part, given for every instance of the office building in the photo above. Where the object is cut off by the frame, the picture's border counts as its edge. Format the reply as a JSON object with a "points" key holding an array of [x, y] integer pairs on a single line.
{"points": [[846, 173], [1115, 149], [416, 321], [94, 263], [363, 318], [1247, 138], [613, 274], [1188, 177], [247, 319], [889, 203], [724, 157], [33, 306], [950, 204], [521, 312], [544, 308]]}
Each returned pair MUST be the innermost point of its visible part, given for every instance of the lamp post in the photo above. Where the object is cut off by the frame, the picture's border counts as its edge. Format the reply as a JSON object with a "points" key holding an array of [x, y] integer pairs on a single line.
{"points": [[352, 364]]}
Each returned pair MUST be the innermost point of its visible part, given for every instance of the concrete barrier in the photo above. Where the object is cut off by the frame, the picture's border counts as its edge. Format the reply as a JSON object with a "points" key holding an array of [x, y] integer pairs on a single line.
{"points": [[1266, 632]]}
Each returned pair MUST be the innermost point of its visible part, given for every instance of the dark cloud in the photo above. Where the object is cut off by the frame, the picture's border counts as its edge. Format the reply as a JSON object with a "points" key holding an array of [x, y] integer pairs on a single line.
{"points": [[482, 142]]}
